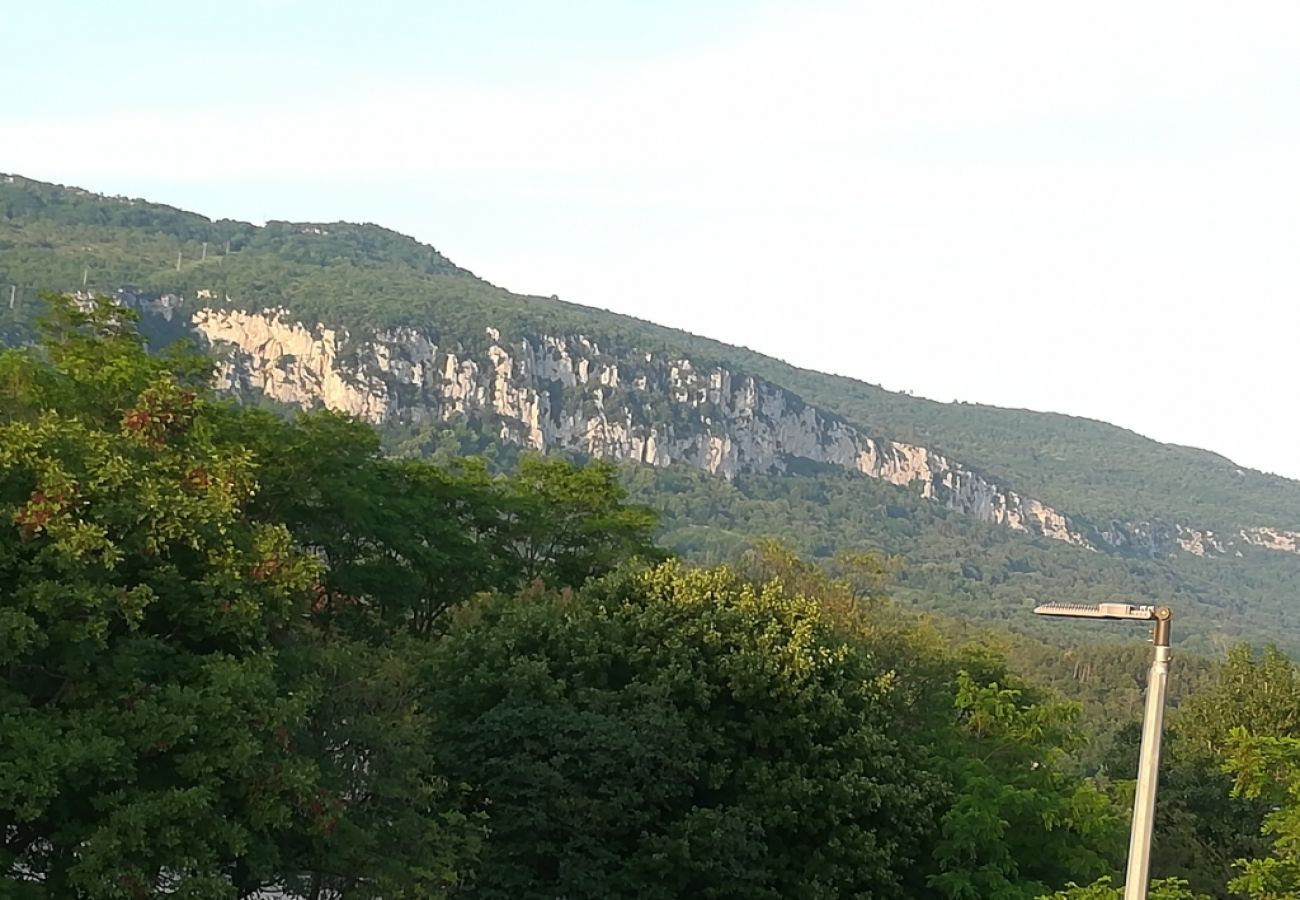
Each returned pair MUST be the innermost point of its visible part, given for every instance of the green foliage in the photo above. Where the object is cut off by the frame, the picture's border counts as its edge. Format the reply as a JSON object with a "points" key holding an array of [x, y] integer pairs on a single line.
{"points": [[1250, 723], [852, 583], [668, 734], [956, 565], [1259, 692], [1203, 826], [148, 701], [404, 541], [569, 524], [1094, 470], [1161, 889], [390, 827], [214, 626], [1020, 821], [1268, 767]]}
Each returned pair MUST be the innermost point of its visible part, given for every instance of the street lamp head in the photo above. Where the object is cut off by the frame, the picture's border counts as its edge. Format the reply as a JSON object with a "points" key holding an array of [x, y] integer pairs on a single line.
{"points": [[1099, 611], [1162, 616]]}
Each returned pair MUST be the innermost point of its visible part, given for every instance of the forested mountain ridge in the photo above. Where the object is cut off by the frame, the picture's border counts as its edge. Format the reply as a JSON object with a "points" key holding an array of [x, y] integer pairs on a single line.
{"points": [[367, 321]]}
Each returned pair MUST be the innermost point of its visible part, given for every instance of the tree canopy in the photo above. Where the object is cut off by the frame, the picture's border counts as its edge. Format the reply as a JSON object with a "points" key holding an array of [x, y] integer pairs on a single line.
{"points": [[210, 628]]}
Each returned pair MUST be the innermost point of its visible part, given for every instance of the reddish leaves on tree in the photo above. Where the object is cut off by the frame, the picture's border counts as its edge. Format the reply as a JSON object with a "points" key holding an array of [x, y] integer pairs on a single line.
{"points": [[33, 516]]}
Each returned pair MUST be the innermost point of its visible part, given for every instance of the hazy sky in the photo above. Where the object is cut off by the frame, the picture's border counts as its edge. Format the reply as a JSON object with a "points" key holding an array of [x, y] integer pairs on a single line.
{"points": [[1091, 208]]}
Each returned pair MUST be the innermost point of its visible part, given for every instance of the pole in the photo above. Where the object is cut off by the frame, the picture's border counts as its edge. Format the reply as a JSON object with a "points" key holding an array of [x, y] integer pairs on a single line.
{"points": [[1138, 877]]}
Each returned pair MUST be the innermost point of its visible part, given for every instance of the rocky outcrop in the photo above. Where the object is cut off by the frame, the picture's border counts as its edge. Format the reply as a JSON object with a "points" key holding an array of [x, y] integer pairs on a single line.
{"points": [[290, 363], [1272, 539], [1199, 543], [1156, 539], [552, 392], [564, 393]]}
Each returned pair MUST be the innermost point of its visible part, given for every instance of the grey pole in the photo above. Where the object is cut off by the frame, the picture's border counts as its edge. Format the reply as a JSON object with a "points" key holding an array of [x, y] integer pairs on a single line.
{"points": [[1138, 876]]}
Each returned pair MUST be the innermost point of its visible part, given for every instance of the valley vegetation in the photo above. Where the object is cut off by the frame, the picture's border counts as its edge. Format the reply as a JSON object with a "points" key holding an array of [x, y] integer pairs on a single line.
{"points": [[245, 654]]}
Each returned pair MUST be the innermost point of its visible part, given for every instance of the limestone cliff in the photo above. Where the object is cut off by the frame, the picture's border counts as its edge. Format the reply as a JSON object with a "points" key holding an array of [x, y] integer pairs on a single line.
{"points": [[564, 392]]}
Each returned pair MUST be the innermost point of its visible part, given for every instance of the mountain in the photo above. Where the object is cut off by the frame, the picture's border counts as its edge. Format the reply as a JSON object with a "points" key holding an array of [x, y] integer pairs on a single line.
{"points": [[988, 506]]}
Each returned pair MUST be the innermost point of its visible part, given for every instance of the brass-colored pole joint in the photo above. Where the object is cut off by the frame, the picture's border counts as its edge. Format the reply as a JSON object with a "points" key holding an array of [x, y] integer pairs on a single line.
{"points": [[1164, 617]]}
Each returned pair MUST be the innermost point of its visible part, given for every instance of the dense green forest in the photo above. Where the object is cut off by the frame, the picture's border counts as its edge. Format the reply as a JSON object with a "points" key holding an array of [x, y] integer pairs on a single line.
{"points": [[947, 562], [244, 652], [961, 566]]}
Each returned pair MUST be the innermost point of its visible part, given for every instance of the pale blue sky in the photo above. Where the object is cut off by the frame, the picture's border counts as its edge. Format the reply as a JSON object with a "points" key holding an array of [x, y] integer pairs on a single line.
{"points": [[1088, 208]]}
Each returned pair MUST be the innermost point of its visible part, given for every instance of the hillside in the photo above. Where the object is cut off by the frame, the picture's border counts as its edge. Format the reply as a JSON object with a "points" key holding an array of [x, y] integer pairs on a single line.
{"points": [[988, 506]]}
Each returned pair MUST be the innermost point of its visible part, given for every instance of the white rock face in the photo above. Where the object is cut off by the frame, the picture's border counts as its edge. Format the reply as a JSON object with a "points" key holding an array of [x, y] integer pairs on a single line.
{"points": [[1272, 539], [290, 363], [564, 393], [1199, 543]]}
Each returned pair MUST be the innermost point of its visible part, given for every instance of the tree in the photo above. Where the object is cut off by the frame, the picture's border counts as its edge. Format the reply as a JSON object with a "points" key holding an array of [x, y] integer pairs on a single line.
{"points": [[1020, 823], [1268, 768], [851, 585], [1162, 889], [392, 830], [1202, 827], [1016, 820], [145, 707], [177, 718], [403, 541], [568, 524], [678, 734], [1260, 692]]}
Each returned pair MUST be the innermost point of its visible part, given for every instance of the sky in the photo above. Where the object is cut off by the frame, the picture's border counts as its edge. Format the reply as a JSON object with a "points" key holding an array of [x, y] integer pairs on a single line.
{"points": [[1087, 208]]}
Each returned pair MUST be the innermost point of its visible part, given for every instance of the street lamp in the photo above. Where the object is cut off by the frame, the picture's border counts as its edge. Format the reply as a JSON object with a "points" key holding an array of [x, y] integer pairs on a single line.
{"points": [[1144, 802]]}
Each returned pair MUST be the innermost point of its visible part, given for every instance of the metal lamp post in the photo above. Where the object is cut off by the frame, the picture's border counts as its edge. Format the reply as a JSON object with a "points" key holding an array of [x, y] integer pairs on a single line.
{"points": [[1144, 802]]}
